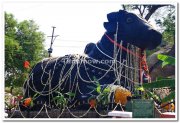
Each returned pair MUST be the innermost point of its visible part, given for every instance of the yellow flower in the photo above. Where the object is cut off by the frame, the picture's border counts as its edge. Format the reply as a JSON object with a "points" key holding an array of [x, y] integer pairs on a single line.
{"points": [[121, 95], [168, 107]]}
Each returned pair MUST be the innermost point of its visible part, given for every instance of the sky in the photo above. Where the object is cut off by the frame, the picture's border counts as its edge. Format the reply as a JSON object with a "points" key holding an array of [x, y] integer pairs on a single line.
{"points": [[77, 23]]}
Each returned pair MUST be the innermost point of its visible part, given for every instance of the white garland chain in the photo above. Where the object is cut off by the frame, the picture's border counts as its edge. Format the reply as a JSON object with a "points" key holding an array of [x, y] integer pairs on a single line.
{"points": [[127, 69]]}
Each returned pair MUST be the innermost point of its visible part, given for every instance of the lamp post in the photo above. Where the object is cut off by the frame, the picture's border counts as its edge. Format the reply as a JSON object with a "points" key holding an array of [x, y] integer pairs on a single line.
{"points": [[52, 41]]}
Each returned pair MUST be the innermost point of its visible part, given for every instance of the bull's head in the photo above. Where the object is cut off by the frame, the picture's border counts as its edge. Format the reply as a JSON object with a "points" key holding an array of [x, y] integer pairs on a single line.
{"points": [[133, 29]]}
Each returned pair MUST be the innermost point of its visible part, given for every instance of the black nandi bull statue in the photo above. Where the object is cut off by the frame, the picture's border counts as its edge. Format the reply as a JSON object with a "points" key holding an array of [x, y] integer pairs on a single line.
{"points": [[76, 73]]}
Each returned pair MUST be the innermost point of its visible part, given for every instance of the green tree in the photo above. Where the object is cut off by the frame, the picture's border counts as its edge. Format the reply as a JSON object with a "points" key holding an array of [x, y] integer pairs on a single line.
{"points": [[10, 25], [168, 25], [31, 41], [145, 11], [23, 41]]}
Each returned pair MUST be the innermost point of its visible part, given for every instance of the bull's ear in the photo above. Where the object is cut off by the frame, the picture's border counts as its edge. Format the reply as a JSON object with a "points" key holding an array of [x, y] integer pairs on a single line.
{"points": [[110, 26], [123, 11]]}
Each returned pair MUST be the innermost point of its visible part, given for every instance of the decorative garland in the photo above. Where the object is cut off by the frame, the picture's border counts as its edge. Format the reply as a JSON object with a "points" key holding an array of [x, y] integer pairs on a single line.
{"points": [[130, 75]]}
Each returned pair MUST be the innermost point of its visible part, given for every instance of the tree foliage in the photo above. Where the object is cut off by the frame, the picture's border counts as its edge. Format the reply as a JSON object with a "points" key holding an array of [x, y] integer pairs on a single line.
{"points": [[167, 60], [168, 25], [145, 11], [23, 41]]}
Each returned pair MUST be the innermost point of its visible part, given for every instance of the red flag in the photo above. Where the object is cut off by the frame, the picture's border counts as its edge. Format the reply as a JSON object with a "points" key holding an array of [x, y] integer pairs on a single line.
{"points": [[26, 64]]}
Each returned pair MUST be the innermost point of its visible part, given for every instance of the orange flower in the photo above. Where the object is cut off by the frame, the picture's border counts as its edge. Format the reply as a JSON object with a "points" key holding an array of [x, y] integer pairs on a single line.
{"points": [[92, 103], [27, 102], [121, 95], [26, 64]]}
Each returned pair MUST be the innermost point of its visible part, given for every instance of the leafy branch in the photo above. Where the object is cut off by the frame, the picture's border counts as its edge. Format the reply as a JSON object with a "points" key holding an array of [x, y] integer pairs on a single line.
{"points": [[103, 94], [162, 82], [61, 99]]}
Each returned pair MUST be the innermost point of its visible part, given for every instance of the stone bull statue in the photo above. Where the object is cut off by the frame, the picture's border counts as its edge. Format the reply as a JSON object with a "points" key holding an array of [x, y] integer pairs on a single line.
{"points": [[76, 73]]}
